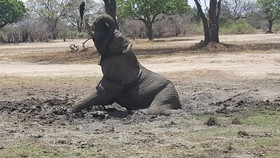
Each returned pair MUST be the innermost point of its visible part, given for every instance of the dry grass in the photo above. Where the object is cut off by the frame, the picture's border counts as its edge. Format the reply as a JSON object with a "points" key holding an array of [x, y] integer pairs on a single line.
{"points": [[143, 50], [89, 56]]}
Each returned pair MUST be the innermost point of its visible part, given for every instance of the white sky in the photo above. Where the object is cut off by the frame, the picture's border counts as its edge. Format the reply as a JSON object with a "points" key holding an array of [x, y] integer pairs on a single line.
{"points": [[191, 2]]}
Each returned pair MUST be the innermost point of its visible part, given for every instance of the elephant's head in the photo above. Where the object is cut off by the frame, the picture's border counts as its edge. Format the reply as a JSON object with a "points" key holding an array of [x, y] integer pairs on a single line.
{"points": [[102, 31]]}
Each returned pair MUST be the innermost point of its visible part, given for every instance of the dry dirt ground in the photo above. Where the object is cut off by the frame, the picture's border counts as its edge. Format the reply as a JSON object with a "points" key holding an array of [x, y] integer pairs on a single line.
{"points": [[229, 92]]}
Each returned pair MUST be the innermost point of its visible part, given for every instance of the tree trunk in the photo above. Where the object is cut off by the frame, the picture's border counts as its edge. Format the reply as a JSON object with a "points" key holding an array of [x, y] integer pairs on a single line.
{"points": [[213, 22], [79, 25], [270, 23], [110, 8], [82, 11], [79, 28], [24, 36], [205, 23], [150, 33], [211, 29]]}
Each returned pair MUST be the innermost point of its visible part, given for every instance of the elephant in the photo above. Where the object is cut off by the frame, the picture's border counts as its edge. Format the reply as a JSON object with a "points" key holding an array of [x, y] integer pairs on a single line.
{"points": [[125, 81]]}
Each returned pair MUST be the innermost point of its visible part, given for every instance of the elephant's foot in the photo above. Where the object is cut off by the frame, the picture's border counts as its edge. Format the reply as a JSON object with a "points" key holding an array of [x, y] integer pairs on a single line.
{"points": [[87, 102]]}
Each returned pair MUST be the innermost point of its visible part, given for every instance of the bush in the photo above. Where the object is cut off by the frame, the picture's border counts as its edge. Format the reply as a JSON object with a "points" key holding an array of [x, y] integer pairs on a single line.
{"points": [[239, 27], [276, 26], [3, 37], [76, 34], [212, 121]]}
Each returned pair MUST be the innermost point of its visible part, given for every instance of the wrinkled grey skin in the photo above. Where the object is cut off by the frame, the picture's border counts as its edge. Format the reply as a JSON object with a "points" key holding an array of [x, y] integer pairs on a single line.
{"points": [[125, 81]]}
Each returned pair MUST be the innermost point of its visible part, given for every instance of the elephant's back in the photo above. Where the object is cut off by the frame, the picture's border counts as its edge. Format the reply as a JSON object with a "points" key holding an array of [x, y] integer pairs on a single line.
{"points": [[140, 94], [151, 83]]}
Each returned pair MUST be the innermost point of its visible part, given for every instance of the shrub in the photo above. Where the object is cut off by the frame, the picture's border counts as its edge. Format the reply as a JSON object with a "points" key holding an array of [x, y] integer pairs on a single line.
{"points": [[3, 37], [276, 26], [212, 121], [76, 34], [239, 27], [236, 121]]}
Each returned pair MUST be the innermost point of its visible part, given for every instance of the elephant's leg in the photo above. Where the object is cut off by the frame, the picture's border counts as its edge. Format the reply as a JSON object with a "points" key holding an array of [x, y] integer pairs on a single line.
{"points": [[166, 102], [104, 94]]}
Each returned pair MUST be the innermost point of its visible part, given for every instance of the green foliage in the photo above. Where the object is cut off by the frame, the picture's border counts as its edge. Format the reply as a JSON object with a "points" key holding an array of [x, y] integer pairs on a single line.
{"points": [[271, 8], [150, 8], [11, 11], [264, 118], [239, 27], [76, 34], [276, 26], [194, 15], [3, 36], [147, 11]]}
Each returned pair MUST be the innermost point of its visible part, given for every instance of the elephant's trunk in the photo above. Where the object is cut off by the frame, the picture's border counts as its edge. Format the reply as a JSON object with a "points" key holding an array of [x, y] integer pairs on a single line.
{"points": [[104, 19]]}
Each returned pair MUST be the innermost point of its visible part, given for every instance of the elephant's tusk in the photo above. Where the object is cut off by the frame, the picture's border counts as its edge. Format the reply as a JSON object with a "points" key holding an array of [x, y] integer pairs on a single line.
{"points": [[129, 48], [88, 29]]}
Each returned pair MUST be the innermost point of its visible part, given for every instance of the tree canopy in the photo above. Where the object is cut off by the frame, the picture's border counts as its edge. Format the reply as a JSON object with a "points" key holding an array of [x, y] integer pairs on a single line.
{"points": [[11, 11], [237, 9], [51, 11], [148, 11], [72, 14], [271, 8]]}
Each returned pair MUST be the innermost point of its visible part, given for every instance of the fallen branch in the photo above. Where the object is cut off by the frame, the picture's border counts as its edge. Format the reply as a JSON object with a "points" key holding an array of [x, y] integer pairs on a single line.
{"points": [[73, 48], [85, 42]]}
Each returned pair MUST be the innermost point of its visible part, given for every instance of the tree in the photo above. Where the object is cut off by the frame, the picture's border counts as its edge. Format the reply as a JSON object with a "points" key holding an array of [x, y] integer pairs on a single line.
{"points": [[236, 9], [73, 16], [271, 8], [148, 11], [11, 11], [211, 28], [110, 8], [51, 11]]}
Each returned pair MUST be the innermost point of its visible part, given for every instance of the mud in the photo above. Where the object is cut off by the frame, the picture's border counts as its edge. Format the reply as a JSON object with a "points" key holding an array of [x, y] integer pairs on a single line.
{"points": [[36, 98], [57, 109]]}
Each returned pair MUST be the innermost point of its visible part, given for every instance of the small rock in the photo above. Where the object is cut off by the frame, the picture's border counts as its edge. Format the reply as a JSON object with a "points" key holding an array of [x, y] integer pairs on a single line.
{"points": [[37, 136], [61, 141], [242, 133], [172, 123], [12, 131], [63, 123], [83, 145]]}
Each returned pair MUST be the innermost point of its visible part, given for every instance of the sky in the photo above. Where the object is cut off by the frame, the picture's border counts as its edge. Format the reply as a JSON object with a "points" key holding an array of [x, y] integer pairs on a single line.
{"points": [[191, 2]]}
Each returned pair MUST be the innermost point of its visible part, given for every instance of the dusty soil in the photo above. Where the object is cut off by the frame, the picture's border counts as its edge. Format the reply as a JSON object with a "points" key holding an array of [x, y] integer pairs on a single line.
{"points": [[40, 82]]}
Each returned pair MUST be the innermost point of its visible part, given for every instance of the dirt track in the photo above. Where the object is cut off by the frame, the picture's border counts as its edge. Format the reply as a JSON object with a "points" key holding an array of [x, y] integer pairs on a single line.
{"points": [[37, 94]]}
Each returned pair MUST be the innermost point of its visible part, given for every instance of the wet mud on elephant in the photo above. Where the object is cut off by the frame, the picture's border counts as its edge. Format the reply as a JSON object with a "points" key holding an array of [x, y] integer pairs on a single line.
{"points": [[125, 81]]}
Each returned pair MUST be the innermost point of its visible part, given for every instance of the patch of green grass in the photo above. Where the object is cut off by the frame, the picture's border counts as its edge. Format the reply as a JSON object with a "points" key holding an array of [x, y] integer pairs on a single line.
{"points": [[267, 141], [35, 151], [263, 118], [26, 151], [261, 125]]}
